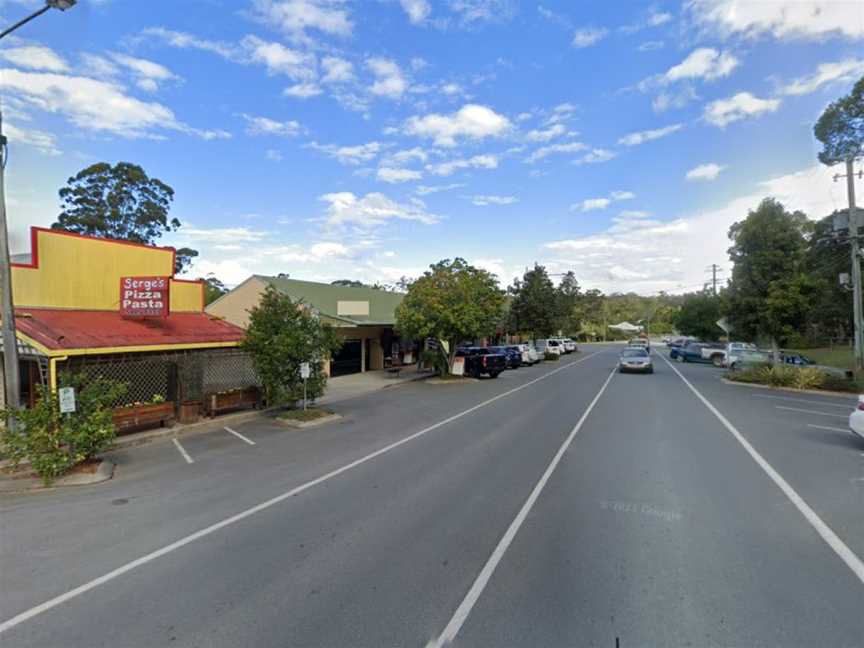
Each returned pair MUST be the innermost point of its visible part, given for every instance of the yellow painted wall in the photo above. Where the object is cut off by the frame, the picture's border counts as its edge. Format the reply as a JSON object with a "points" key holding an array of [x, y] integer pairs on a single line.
{"points": [[84, 273]]}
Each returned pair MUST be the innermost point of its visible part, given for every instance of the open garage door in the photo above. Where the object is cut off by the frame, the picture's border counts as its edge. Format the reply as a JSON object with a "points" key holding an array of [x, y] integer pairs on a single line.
{"points": [[347, 360]]}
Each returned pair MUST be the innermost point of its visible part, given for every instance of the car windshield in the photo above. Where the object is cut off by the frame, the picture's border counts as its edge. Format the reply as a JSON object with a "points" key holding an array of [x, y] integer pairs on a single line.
{"points": [[634, 353]]}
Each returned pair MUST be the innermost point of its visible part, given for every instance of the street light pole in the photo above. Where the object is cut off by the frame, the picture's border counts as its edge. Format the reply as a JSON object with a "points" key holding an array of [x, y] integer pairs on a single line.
{"points": [[12, 383]]}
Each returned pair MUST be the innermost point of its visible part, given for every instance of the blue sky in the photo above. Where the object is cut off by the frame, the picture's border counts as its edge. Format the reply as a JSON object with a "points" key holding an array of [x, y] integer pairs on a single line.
{"points": [[368, 138]]}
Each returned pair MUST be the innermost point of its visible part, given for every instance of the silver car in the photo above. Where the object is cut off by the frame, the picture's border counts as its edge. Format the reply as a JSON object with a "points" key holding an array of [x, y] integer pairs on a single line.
{"points": [[635, 359]]}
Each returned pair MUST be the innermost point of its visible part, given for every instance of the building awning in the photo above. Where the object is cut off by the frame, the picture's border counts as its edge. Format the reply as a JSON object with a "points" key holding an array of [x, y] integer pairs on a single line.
{"points": [[61, 332]]}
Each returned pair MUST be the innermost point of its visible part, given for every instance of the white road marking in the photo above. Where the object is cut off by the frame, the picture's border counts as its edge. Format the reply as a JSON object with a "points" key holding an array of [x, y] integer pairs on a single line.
{"points": [[239, 436], [806, 411], [485, 574], [183, 452], [827, 427], [831, 539], [806, 400], [213, 528]]}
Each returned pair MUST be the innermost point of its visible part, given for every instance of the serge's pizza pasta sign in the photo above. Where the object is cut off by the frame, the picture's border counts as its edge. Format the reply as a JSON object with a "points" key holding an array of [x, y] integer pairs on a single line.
{"points": [[144, 296]]}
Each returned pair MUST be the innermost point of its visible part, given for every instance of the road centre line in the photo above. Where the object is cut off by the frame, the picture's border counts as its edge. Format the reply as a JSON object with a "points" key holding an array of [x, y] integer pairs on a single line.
{"points": [[827, 427], [806, 411], [183, 452], [239, 436], [831, 539], [202, 533], [464, 609], [805, 400]]}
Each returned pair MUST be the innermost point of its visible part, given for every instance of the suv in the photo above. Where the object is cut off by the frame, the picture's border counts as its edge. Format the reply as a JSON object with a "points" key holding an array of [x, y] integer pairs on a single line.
{"points": [[482, 360], [549, 346], [570, 345]]}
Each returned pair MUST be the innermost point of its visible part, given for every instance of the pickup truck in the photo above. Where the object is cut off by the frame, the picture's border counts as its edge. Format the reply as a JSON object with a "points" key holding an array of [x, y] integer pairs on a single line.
{"points": [[482, 360], [718, 354]]}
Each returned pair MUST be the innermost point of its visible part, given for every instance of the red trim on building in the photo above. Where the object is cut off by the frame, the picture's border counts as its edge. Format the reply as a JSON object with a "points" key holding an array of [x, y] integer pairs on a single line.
{"points": [[79, 329]]}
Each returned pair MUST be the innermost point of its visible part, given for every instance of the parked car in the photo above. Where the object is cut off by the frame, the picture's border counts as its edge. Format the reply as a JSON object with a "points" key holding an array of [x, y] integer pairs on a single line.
{"points": [[563, 344], [803, 361], [549, 346], [734, 349], [512, 354], [692, 353], [570, 345], [856, 419], [482, 360], [635, 358], [714, 353], [529, 354], [746, 358]]}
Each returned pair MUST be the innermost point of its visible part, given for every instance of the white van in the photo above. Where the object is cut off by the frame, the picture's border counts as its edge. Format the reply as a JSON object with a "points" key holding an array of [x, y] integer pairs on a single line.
{"points": [[549, 346]]}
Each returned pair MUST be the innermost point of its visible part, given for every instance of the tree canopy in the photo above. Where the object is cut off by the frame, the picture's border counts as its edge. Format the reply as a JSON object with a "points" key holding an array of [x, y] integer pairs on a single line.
{"points": [[536, 304], [698, 316], [119, 202], [452, 301], [282, 334], [841, 127]]}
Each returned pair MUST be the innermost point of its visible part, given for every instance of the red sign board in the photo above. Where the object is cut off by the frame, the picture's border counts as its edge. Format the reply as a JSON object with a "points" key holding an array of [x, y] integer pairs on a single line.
{"points": [[144, 296]]}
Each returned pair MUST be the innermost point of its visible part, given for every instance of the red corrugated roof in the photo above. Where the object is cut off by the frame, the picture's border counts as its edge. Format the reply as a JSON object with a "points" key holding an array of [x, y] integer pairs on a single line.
{"points": [[80, 329]]}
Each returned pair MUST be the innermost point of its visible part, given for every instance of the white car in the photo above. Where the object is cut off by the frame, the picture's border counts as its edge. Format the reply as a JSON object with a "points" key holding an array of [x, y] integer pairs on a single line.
{"points": [[563, 343], [529, 354], [856, 419], [569, 345], [549, 346]]}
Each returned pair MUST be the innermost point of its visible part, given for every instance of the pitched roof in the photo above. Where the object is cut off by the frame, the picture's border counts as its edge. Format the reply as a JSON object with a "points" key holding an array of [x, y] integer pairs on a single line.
{"points": [[326, 298], [57, 329]]}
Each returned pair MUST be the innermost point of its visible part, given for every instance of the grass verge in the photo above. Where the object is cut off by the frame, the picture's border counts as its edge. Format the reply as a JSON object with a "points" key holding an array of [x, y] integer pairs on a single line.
{"points": [[301, 415], [794, 378]]}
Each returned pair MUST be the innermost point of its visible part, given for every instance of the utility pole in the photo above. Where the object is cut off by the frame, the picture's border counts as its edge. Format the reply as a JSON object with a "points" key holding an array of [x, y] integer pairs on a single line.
{"points": [[856, 262], [713, 269], [12, 379]]}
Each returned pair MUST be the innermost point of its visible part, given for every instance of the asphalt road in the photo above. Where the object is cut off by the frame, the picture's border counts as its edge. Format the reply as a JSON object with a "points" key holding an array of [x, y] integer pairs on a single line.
{"points": [[560, 505]]}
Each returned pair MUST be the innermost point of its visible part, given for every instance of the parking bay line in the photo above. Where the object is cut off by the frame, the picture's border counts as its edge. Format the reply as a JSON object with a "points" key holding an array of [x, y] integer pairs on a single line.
{"points": [[827, 427], [804, 400], [825, 532], [183, 452], [239, 436], [242, 515], [461, 615], [806, 411]]}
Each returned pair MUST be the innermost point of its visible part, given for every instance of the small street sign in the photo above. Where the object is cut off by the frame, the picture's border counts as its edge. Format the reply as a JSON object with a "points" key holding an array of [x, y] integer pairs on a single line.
{"points": [[67, 399], [305, 370]]}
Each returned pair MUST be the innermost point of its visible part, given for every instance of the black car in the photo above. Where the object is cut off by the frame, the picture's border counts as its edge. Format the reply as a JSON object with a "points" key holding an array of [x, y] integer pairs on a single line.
{"points": [[482, 360], [512, 353]]}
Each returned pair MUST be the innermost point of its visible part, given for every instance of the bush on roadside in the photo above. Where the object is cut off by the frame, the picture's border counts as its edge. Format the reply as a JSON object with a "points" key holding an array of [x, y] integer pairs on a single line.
{"points": [[53, 442], [554, 357], [794, 377]]}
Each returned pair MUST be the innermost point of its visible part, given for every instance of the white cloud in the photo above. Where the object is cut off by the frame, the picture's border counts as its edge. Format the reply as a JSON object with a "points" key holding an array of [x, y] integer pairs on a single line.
{"points": [[622, 195], [396, 174], [476, 162], [740, 106], [484, 201], [596, 155], [546, 134], [424, 190], [35, 57], [678, 99], [472, 121], [595, 203], [303, 90], [554, 149], [389, 80], [184, 40], [267, 126], [278, 59], [336, 70], [407, 155], [231, 272], [295, 17], [229, 235], [348, 154], [646, 255], [708, 171], [274, 155], [782, 19], [417, 10], [838, 72], [95, 105], [148, 74], [40, 140], [372, 210], [640, 137], [588, 36], [704, 63], [323, 251], [651, 46], [476, 11], [654, 19]]}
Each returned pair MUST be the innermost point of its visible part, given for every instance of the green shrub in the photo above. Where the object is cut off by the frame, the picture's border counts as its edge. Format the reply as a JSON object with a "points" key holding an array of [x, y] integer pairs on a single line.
{"points": [[53, 442], [836, 383], [795, 377], [554, 357], [808, 378]]}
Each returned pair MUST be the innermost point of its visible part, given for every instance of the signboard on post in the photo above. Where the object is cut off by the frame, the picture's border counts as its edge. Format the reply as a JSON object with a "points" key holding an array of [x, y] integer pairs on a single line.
{"points": [[305, 370], [66, 395], [458, 368], [144, 297]]}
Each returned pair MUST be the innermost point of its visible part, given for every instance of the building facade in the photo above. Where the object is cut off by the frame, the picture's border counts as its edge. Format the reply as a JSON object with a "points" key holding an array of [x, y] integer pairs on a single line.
{"points": [[364, 318]]}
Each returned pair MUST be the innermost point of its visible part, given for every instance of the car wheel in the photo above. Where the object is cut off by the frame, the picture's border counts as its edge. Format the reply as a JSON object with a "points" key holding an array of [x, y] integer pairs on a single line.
{"points": [[717, 360], [651, 370], [494, 374]]}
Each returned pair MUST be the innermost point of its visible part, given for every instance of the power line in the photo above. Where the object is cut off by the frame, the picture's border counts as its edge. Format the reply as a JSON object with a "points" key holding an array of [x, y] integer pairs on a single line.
{"points": [[713, 269]]}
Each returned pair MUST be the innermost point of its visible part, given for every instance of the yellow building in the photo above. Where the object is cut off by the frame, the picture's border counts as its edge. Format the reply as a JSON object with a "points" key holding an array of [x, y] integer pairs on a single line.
{"points": [[115, 307]]}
